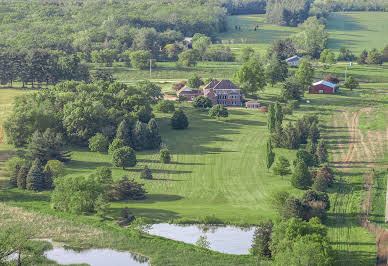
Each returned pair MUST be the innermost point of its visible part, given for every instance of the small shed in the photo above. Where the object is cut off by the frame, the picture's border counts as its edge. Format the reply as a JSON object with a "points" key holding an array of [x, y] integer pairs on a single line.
{"points": [[293, 60], [323, 87], [252, 105]]}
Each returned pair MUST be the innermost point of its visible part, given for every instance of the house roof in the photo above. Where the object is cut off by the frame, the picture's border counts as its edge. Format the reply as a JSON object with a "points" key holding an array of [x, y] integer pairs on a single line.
{"points": [[293, 58], [211, 84], [324, 82], [187, 90], [251, 102], [225, 85]]}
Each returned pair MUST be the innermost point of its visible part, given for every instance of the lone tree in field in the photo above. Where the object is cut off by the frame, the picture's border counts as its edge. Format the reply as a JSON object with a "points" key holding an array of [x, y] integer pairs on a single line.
{"points": [[146, 173], [202, 102], [270, 155], [251, 77], [179, 120], [271, 118], [124, 157], [351, 83], [165, 156], [218, 111], [301, 178], [35, 179], [282, 167]]}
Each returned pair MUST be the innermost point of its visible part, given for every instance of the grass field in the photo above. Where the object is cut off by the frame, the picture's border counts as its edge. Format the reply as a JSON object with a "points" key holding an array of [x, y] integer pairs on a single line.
{"points": [[358, 30]]}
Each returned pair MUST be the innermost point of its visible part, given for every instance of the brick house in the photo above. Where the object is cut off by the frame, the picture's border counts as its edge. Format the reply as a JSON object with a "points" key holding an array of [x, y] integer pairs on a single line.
{"points": [[189, 93], [224, 92], [323, 87]]}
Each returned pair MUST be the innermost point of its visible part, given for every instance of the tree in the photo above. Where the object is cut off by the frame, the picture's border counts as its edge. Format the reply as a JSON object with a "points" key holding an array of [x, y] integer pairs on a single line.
{"points": [[124, 133], [269, 155], [246, 54], [317, 204], [362, 59], [165, 156], [326, 173], [301, 178], [165, 106], [126, 189], [320, 184], [218, 111], [124, 157], [305, 157], [322, 153], [106, 56], [101, 206], [271, 118], [282, 167], [251, 77], [151, 91], [22, 177], [154, 138], [195, 82], [291, 89], [47, 146], [188, 58], [278, 199], [345, 54], [332, 79], [304, 75], [116, 144], [98, 143], [146, 173], [35, 179], [201, 43], [76, 194], [140, 134], [57, 168], [292, 208], [103, 175], [262, 239], [276, 71], [283, 48], [375, 57], [141, 59], [278, 114], [314, 133], [327, 57], [179, 120], [385, 54], [202, 102], [290, 138], [351, 83]]}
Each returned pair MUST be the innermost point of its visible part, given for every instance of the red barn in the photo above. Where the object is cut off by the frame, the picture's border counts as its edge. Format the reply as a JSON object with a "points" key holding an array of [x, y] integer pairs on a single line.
{"points": [[323, 87]]}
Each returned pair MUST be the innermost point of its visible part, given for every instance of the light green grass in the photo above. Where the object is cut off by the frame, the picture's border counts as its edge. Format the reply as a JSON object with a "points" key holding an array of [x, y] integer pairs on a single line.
{"points": [[358, 30]]}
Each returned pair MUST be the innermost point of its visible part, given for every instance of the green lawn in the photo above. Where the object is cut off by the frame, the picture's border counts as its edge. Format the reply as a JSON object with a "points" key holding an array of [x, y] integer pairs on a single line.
{"points": [[358, 30]]}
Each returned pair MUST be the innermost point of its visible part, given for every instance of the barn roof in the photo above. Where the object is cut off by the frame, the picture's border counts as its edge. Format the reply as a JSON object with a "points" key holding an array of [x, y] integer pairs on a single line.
{"points": [[293, 58], [326, 83]]}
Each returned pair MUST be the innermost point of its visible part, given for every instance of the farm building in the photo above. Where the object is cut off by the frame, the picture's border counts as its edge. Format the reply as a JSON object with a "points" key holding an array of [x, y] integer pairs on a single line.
{"points": [[323, 87], [294, 60], [189, 93], [224, 92], [252, 105]]}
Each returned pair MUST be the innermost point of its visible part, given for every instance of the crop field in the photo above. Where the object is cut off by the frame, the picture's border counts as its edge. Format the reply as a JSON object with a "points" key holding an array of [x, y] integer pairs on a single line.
{"points": [[358, 30]]}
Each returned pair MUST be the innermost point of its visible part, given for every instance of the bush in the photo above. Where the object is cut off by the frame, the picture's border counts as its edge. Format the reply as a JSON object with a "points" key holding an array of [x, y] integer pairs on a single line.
{"points": [[75, 194], [116, 144], [124, 157], [57, 168], [98, 143], [103, 175], [202, 102], [146, 173], [218, 111], [165, 106], [179, 120], [126, 189], [165, 156]]}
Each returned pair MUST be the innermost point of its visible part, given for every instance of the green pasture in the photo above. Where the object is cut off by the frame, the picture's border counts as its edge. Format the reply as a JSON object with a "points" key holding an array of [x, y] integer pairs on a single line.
{"points": [[357, 30]]}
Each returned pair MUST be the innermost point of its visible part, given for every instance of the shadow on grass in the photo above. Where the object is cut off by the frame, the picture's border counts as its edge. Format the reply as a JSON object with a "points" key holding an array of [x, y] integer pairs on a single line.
{"points": [[161, 171], [18, 195], [157, 161]]}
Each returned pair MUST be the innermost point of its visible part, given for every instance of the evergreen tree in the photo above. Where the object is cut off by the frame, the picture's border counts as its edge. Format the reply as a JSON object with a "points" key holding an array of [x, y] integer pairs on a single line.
{"points": [[305, 157], [179, 120], [363, 57], [48, 177], [140, 134], [35, 178], [276, 71], [320, 184], [278, 137], [322, 153], [13, 178], [301, 178], [124, 157], [262, 240], [314, 134], [271, 117], [293, 208], [165, 156], [22, 177], [290, 137], [282, 167], [146, 173], [278, 113], [124, 132], [154, 138], [327, 174], [311, 147], [270, 155]]}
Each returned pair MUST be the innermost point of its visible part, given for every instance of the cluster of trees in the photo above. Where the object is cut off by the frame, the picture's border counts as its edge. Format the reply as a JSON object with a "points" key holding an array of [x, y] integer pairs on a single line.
{"points": [[37, 66], [286, 12], [79, 111], [373, 57], [241, 7], [327, 6], [80, 194]]}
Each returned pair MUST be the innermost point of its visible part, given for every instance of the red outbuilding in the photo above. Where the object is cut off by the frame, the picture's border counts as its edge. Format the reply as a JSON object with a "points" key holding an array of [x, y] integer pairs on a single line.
{"points": [[323, 87]]}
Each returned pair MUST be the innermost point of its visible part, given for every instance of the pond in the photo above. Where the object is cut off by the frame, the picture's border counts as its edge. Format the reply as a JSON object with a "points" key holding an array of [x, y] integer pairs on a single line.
{"points": [[95, 257], [225, 239]]}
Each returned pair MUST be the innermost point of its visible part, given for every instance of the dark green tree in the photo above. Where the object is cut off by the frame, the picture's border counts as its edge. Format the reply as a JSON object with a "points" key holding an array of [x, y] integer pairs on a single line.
{"points": [[116, 144], [278, 113], [140, 134], [124, 132], [322, 153], [179, 120], [22, 177], [271, 118], [165, 106], [262, 239], [165, 156], [195, 82], [202, 102], [124, 157], [301, 178], [291, 89], [146, 173], [269, 155], [35, 179], [282, 167], [362, 59], [276, 71], [351, 83], [218, 111], [314, 133], [154, 138], [126, 189]]}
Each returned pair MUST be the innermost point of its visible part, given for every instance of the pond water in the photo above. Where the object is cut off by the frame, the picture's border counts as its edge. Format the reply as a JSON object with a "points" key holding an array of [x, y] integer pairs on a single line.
{"points": [[226, 239], [95, 257]]}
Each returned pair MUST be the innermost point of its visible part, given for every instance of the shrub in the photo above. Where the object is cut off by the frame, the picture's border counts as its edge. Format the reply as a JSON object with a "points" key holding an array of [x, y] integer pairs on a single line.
{"points": [[179, 120], [116, 144], [218, 111], [126, 189], [146, 173], [98, 143], [202, 102], [103, 175], [165, 156], [165, 106], [124, 157], [56, 167]]}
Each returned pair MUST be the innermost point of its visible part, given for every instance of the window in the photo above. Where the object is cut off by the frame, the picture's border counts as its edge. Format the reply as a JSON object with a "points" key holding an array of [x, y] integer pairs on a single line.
{"points": [[192, 97], [320, 91]]}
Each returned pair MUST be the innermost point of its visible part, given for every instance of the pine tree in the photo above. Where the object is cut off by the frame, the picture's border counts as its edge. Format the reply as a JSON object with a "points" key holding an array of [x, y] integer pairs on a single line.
{"points": [[314, 134], [278, 113], [140, 135], [124, 132], [322, 153], [146, 173], [270, 155], [13, 178], [290, 137], [179, 120], [22, 177], [48, 177], [277, 137], [154, 138], [35, 178], [271, 118], [301, 178]]}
